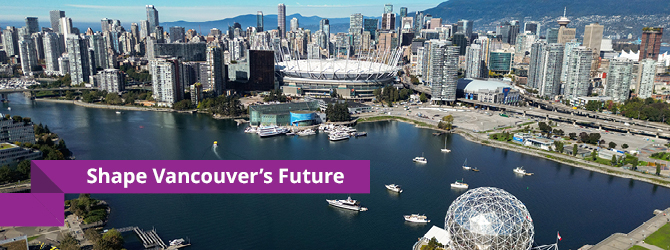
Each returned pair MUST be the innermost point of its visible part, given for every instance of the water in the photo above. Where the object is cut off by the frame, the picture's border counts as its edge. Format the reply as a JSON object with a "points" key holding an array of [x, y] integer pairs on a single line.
{"points": [[585, 207]]}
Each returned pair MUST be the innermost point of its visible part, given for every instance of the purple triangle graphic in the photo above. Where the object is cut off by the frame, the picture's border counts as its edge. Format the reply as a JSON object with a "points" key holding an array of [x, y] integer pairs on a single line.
{"points": [[41, 182]]}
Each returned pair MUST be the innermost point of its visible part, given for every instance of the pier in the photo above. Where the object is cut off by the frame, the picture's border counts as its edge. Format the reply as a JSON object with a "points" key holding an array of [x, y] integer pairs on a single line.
{"points": [[150, 239]]}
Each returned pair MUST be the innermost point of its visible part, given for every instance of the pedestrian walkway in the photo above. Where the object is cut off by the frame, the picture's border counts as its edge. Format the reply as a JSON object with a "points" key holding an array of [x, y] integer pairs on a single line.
{"points": [[620, 241]]}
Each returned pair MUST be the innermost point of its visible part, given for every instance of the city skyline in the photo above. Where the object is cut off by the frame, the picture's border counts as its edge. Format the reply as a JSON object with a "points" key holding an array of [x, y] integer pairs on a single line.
{"points": [[171, 11]]}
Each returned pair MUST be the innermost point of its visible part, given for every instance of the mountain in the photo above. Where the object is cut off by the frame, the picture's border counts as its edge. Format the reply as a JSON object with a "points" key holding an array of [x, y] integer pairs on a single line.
{"points": [[269, 22]]}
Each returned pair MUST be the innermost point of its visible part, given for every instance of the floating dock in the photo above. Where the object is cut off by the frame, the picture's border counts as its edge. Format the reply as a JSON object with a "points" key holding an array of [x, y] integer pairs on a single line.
{"points": [[150, 239]]}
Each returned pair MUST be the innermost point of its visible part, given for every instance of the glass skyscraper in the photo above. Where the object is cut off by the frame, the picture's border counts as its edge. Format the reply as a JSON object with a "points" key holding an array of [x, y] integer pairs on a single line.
{"points": [[152, 17]]}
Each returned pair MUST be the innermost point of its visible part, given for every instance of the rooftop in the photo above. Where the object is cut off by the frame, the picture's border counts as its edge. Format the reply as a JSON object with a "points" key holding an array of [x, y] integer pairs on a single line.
{"points": [[6, 145], [472, 85]]}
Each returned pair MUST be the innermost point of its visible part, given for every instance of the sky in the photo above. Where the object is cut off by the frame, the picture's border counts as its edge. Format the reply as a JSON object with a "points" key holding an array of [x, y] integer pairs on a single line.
{"points": [[195, 10]]}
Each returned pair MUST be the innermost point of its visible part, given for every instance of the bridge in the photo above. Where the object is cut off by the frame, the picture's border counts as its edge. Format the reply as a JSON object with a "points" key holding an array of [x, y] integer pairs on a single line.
{"points": [[614, 123], [9, 91]]}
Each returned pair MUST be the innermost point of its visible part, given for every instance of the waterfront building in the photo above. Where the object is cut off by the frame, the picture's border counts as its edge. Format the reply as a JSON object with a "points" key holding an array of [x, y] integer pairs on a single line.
{"points": [[280, 114], [79, 59], [645, 78], [650, 43], [569, 46], [281, 20], [110, 80], [54, 17], [11, 154], [197, 94], [619, 79], [442, 70], [166, 81], [491, 91], [550, 72], [64, 64], [16, 131], [38, 40], [536, 67], [579, 67], [152, 17], [99, 47]]}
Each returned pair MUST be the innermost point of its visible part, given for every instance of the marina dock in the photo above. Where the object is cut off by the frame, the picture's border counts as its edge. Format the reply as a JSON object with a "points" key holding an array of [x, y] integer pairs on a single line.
{"points": [[150, 239]]}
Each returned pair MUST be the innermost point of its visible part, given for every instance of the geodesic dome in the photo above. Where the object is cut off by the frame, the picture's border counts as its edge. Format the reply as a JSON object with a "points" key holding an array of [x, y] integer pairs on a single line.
{"points": [[489, 218]]}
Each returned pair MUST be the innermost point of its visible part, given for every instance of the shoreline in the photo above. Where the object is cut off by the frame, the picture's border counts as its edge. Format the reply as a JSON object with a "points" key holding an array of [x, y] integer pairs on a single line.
{"points": [[548, 155]]}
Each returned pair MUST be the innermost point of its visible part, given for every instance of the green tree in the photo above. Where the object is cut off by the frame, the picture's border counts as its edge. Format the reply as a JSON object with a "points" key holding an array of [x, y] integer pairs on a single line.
{"points": [[69, 95], [6, 174], [658, 169], [113, 239], [24, 169], [449, 120], [594, 155], [624, 146], [113, 99], [183, 104], [423, 97], [593, 106], [338, 112], [634, 163], [69, 243], [612, 145], [433, 244], [574, 149], [559, 146], [614, 160]]}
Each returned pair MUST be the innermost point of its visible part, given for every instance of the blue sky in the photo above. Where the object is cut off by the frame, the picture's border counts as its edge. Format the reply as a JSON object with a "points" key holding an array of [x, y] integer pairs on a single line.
{"points": [[199, 10]]}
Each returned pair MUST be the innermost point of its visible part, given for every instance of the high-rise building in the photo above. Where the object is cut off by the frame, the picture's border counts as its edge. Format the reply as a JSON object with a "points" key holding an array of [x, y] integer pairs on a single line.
{"points": [[111, 80], [294, 24], [65, 26], [52, 51], [579, 68], [215, 70], [403, 12], [106, 25], [645, 78], [619, 79], [473, 61], [593, 37], [388, 8], [10, 41], [77, 49], [651, 42], [177, 34], [152, 17], [370, 25], [144, 29], [54, 17], [551, 63], [533, 27], [500, 61], [28, 55], [39, 44], [442, 71], [536, 65], [64, 64], [99, 46], [356, 23], [259, 21], [569, 46], [166, 80], [565, 34], [552, 35], [461, 40], [135, 32], [32, 24], [388, 21], [158, 31], [281, 20], [465, 27]]}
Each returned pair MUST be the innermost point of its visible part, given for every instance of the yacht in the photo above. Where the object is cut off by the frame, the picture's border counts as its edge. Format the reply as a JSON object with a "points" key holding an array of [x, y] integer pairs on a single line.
{"points": [[271, 131], [347, 204], [420, 159], [445, 149], [459, 184], [177, 242], [306, 132], [465, 165], [338, 136], [250, 130], [416, 218], [520, 170], [118, 112], [394, 188]]}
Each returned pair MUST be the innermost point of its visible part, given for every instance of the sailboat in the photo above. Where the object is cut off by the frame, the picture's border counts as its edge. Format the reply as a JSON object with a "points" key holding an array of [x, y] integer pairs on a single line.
{"points": [[445, 149], [465, 165]]}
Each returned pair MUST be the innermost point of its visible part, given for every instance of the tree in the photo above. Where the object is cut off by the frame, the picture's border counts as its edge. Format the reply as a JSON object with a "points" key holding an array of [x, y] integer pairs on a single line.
{"points": [[113, 99], [183, 104], [658, 169], [594, 155], [574, 150], [593, 106], [113, 239], [572, 135], [559, 146], [433, 244], [614, 160], [449, 120], [612, 145], [338, 112], [634, 163], [69, 243], [6, 174], [24, 169], [423, 97], [624, 146]]}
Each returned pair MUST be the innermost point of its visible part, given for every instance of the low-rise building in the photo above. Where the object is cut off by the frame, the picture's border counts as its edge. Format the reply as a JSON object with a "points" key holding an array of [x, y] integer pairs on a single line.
{"points": [[491, 91], [354, 107], [11, 154], [280, 114], [12, 130], [583, 100], [541, 143], [608, 153]]}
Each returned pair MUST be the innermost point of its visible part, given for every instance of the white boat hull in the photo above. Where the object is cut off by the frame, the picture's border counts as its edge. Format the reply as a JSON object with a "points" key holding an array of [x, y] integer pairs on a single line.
{"points": [[415, 220], [463, 186], [338, 204], [445, 150]]}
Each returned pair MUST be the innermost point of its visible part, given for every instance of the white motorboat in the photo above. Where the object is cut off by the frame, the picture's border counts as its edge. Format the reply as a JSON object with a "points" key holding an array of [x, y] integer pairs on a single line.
{"points": [[338, 136], [445, 149], [177, 242], [520, 170], [306, 132], [271, 131], [118, 112], [9, 108], [416, 218], [347, 204], [251, 130], [394, 188], [465, 165], [420, 159], [459, 184]]}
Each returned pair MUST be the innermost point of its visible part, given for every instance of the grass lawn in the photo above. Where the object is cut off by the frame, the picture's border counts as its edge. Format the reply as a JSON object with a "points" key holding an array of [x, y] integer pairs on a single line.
{"points": [[638, 248], [660, 238], [33, 237]]}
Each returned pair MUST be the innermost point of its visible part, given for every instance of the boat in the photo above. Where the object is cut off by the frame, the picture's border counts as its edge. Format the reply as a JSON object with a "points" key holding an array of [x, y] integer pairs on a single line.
{"points": [[177, 242], [445, 149], [216, 143], [306, 132], [118, 112], [338, 136], [465, 165], [459, 184], [271, 131], [475, 169], [347, 204], [9, 108], [394, 188], [420, 159], [250, 130], [291, 133], [358, 134], [416, 218], [520, 170]]}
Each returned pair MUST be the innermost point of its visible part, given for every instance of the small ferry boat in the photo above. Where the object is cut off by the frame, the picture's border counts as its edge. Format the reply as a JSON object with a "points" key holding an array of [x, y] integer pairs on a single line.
{"points": [[520, 170], [465, 165], [338, 136], [347, 204], [416, 218], [445, 149], [394, 188], [177, 242], [271, 131], [459, 184], [420, 159]]}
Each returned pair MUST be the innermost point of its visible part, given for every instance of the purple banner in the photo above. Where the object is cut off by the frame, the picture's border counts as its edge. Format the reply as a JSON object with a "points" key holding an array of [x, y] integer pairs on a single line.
{"points": [[51, 179]]}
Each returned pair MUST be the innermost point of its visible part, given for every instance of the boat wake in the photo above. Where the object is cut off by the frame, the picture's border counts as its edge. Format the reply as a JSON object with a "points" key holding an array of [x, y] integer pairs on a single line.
{"points": [[216, 153]]}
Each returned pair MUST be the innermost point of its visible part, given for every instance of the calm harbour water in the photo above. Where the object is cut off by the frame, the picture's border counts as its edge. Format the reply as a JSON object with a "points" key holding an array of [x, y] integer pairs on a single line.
{"points": [[585, 207]]}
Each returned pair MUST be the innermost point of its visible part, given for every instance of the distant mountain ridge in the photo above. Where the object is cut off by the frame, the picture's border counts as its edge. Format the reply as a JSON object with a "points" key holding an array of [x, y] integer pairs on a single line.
{"points": [[269, 23]]}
